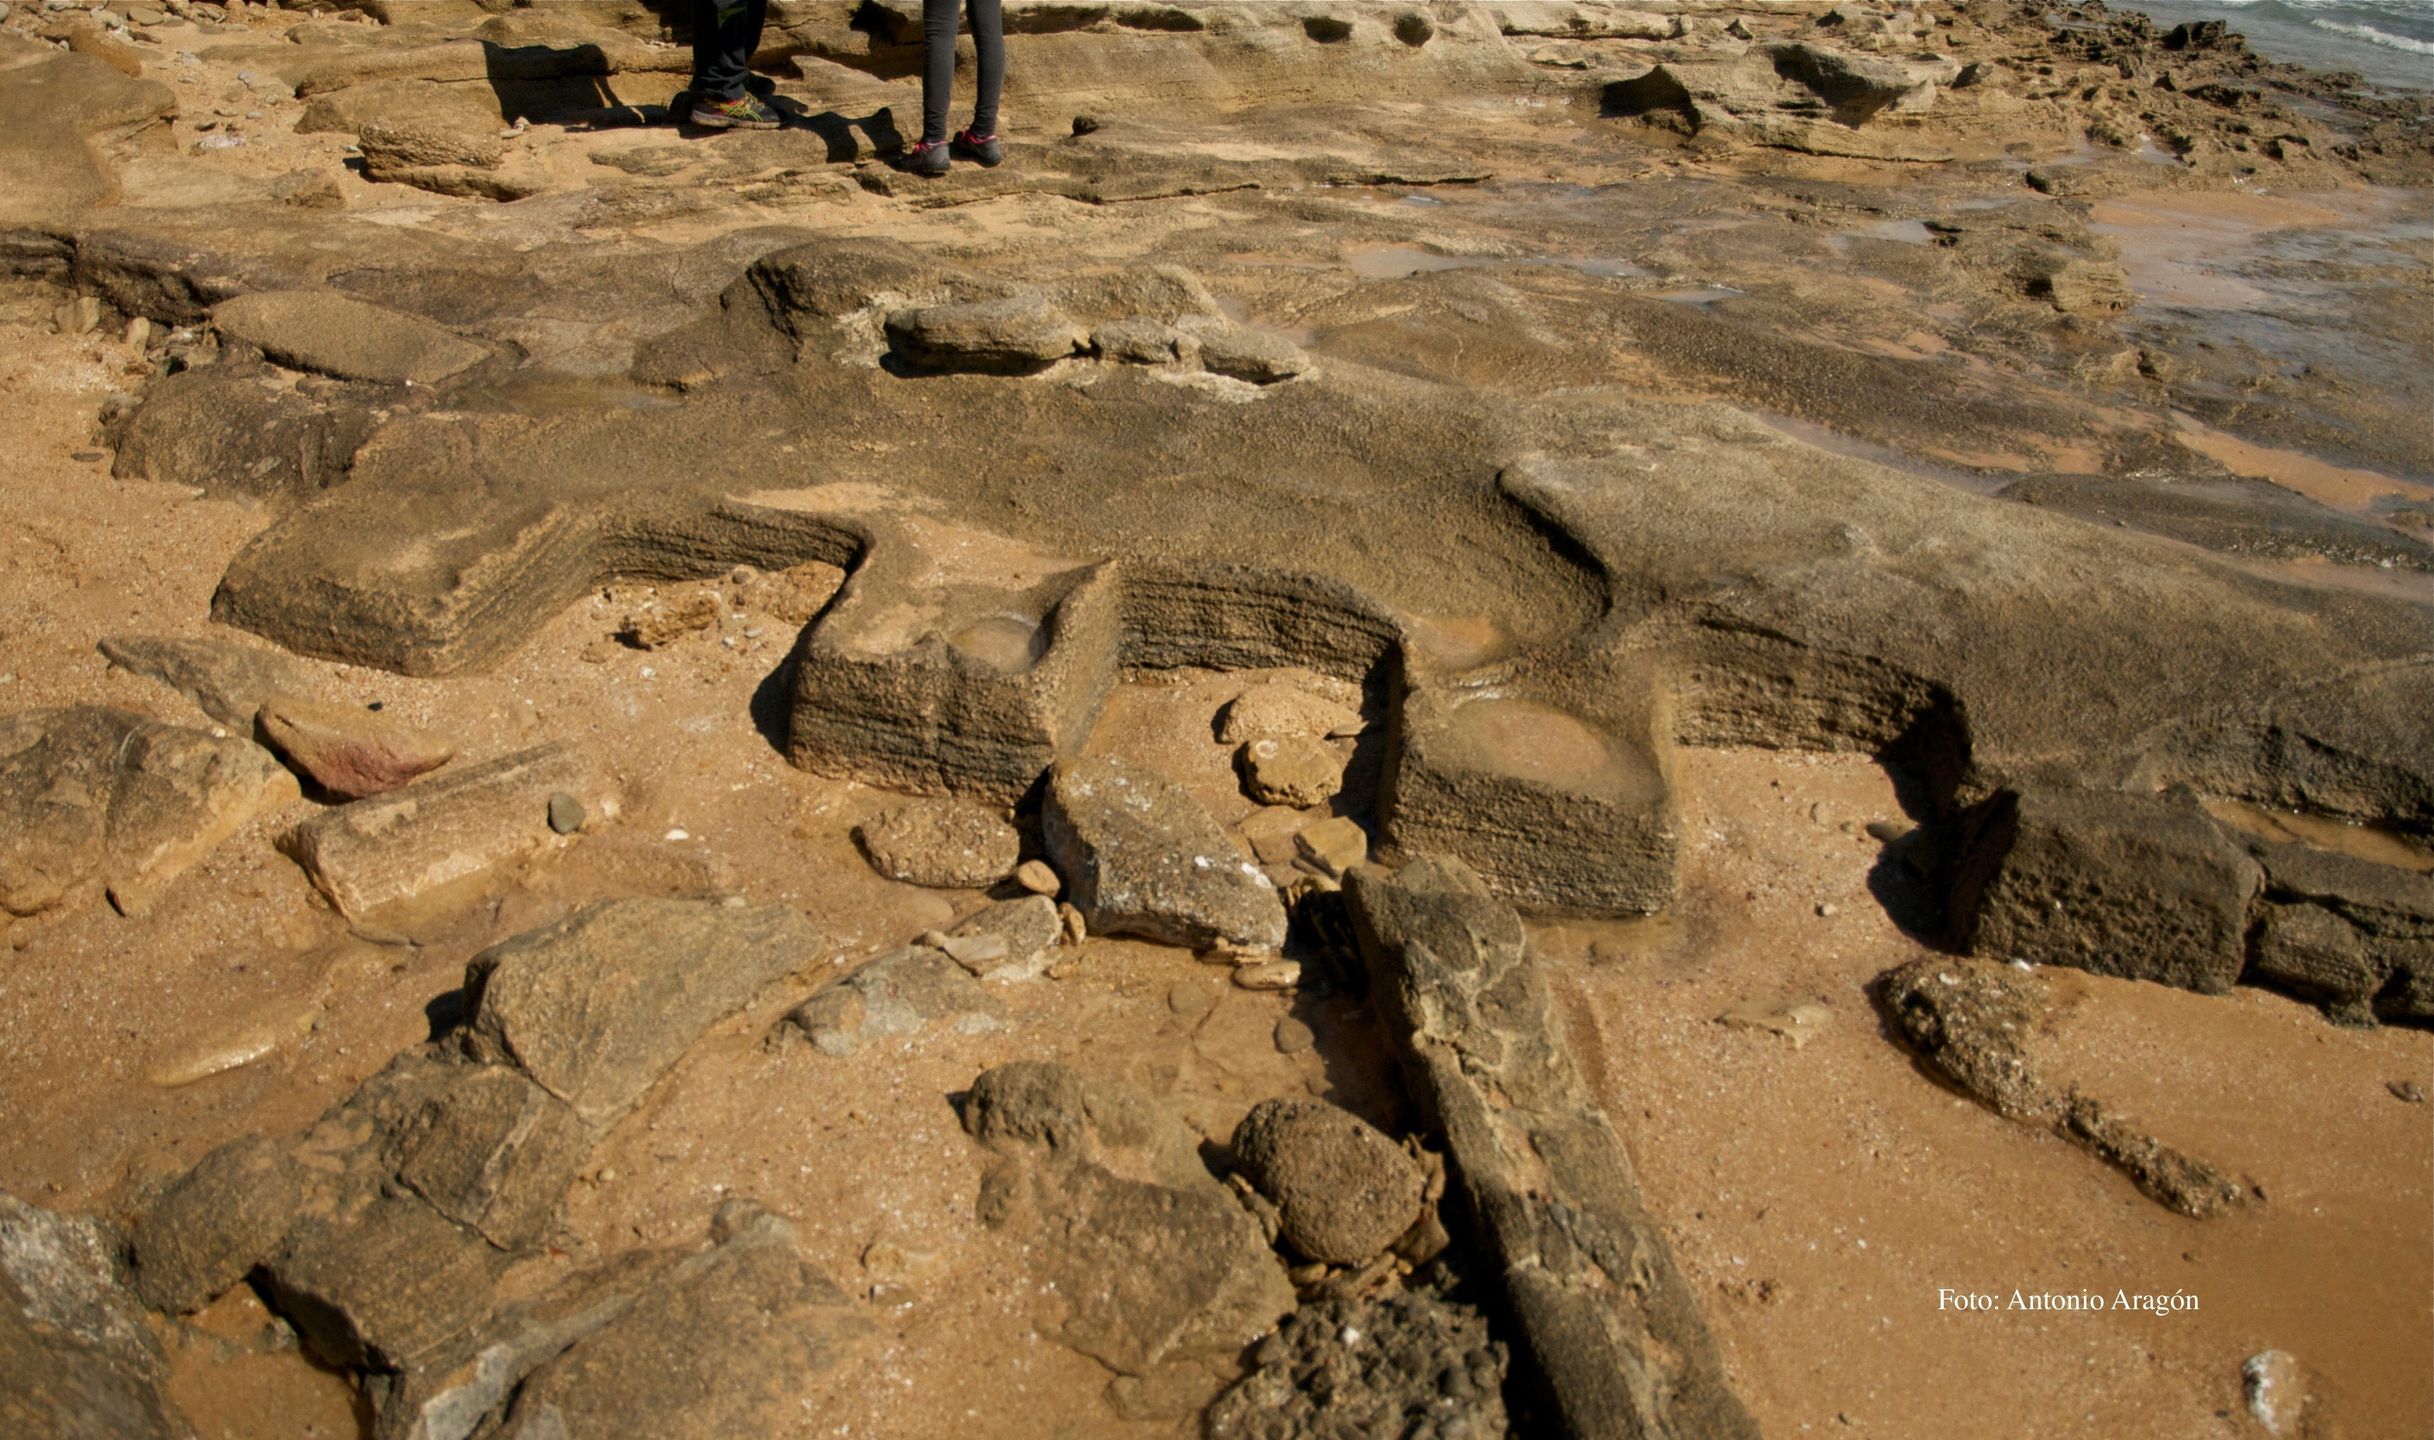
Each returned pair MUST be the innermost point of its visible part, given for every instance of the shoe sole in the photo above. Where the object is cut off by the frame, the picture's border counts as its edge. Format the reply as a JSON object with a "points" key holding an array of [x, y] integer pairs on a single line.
{"points": [[716, 121]]}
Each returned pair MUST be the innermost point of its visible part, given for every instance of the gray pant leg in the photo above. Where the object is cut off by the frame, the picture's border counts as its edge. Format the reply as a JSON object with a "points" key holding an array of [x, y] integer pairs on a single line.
{"points": [[938, 25], [989, 39]]}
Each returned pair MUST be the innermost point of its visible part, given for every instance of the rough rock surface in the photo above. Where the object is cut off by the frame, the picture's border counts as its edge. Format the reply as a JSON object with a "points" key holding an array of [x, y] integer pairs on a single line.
{"points": [[716, 1346], [1343, 1192], [1275, 710], [950, 844], [595, 1007], [1974, 1021], [1298, 772], [349, 752], [1162, 1274], [98, 799], [2144, 887], [2352, 934], [1027, 932], [230, 679], [1606, 1330], [901, 993], [80, 1362], [1416, 1362], [1141, 857], [382, 1230]]}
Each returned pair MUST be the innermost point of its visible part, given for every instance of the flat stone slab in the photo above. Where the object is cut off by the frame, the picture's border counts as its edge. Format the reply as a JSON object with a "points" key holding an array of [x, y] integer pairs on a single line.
{"points": [[1141, 857], [108, 800], [332, 334], [598, 1006]]}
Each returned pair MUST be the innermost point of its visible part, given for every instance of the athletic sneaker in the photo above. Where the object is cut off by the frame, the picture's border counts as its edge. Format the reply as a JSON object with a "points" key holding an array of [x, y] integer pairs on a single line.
{"points": [[983, 148], [745, 112], [927, 158]]}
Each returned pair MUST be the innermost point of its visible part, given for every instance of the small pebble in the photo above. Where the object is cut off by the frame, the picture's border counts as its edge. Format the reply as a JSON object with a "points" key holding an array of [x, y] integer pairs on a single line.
{"points": [[1038, 877], [565, 813], [2408, 1092], [86, 457], [1268, 975], [679, 835], [1294, 1036]]}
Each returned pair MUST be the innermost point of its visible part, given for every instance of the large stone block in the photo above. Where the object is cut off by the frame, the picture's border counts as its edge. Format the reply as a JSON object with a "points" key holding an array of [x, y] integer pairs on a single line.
{"points": [[2141, 886]]}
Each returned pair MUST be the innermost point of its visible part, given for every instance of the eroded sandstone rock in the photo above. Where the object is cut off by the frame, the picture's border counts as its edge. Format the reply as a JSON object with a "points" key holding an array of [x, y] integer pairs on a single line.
{"points": [[951, 844], [1343, 1192], [595, 1007], [1977, 1021], [900, 993], [1012, 336], [334, 334], [1141, 857], [452, 827], [1417, 1362], [1607, 1328], [81, 1365], [2140, 886], [107, 800], [1163, 1277]]}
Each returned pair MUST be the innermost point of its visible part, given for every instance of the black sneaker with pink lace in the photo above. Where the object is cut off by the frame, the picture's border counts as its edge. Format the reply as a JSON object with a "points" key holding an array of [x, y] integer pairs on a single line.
{"points": [[983, 148]]}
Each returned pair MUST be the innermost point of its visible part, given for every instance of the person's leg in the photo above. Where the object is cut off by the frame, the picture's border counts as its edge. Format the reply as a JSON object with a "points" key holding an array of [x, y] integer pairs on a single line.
{"points": [[989, 40], [937, 67], [722, 47]]}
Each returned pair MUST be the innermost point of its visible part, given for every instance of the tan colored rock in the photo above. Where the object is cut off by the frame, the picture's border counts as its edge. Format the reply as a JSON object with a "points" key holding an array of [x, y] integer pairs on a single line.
{"points": [[670, 620], [1039, 877], [943, 844], [412, 841], [108, 799], [1274, 709], [1300, 772], [349, 752], [1332, 847]]}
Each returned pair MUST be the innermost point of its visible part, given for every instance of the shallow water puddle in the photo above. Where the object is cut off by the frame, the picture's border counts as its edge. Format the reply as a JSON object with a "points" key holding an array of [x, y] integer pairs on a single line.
{"points": [[2360, 492], [2359, 842]]}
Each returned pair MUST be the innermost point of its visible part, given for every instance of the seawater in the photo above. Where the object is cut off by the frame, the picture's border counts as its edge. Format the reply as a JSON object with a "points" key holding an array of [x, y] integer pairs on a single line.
{"points": [[2387, 42]]}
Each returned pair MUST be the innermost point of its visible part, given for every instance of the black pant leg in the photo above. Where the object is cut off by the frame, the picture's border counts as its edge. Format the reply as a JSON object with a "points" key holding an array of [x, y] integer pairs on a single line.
{"points": [[725, 33]]}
